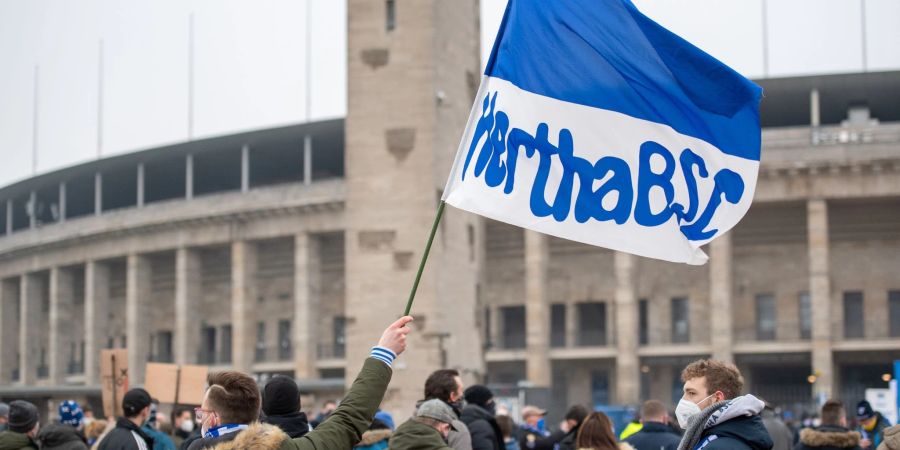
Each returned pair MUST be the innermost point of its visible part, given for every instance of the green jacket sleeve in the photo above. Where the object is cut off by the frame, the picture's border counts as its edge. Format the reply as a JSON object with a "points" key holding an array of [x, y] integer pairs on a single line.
{"points": [[344, 428]]}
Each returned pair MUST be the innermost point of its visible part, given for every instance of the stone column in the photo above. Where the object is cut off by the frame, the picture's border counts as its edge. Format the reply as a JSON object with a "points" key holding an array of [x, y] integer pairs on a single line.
{"points": [[137, 307], [30, 298], [61, 300], [188, 291], [96, 315], [720, 297], [571, 324], [243, 302], [9, 324], [628, 377], [306, 301], [537, 310], [820, 295]]}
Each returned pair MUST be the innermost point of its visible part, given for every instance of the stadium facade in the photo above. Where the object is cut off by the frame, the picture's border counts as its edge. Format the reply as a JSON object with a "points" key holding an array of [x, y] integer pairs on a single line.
{"points": [[286, 251]]}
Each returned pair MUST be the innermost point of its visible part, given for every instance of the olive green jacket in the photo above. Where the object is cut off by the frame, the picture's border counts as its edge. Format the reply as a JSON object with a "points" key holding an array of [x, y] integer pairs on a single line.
{"points": [[344, 428], [16, 441], [414, 435]]}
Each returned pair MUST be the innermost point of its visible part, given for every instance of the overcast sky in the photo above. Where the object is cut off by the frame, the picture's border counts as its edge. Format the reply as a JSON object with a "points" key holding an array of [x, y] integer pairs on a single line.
{"points": [[250, 62]]}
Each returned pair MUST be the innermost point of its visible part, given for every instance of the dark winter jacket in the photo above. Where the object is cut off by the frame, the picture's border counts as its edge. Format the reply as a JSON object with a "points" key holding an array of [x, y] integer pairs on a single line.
{"points": [[567, 442], [16, 441], [654, 436], [294, 424], [828, 438], [877, 434], [531, 439], [782, 438], [124, 437], [58, 436], [483, 426], [740, 433], [413, 435]]}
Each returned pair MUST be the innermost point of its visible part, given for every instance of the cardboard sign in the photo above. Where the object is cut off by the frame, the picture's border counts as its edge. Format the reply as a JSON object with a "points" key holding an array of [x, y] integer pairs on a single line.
{"points": [[113, 380], [173, 384], [161, 381]]}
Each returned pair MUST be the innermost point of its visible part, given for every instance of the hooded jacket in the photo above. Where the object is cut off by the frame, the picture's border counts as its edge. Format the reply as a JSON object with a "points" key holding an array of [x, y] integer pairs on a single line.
{"points": [[654, 436], [729, 425], [16, 441], [125, 437], [876, 435], [257, 436], [483, 427], [413, 435], [827, 438], [891, 439], [58, 436], [294, 425]]}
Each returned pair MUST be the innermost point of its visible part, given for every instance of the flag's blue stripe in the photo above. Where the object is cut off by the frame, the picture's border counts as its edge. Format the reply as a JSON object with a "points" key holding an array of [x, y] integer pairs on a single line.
{"points": [[606, 54]]}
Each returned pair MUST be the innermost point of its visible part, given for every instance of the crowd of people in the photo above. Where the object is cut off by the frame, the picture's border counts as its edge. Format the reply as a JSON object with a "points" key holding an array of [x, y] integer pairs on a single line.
{"points": [[236, 413]]}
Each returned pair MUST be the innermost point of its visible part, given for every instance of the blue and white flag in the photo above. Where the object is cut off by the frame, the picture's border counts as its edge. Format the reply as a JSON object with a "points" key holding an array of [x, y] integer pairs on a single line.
{"points": [[594, 123]]}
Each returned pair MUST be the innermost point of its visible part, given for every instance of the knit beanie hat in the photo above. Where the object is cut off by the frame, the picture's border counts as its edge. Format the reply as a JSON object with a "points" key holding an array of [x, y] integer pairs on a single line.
{"points": [[478, 395], [280, 396], [23, 416], [70, 413]]}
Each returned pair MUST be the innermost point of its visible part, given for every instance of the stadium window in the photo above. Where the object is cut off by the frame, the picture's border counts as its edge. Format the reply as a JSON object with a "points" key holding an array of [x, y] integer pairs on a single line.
{"points": [[805, 313], [513, 318], [592, 324], [853, 314], [643, 321], [390, 15], [765, 317], [681, 330], [558, 325]]}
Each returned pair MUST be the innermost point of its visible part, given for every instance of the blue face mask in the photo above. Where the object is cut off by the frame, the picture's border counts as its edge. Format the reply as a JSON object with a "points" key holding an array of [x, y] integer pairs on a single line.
{"points": [[542, 424]]}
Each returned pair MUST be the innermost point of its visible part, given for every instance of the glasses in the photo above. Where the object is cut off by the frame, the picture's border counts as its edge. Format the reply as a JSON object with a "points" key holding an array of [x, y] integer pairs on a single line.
{"points": [[201, 414]]}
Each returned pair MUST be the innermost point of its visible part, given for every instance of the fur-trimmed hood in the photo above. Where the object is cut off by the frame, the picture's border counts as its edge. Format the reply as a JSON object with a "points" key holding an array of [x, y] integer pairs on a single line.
{"points": [[829, 437], [372, 436], [260, 436], [622, 446]]}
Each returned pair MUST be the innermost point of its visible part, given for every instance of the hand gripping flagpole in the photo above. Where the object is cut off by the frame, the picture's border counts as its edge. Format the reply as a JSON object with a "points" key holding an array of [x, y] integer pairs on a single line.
{"points": [[412, 293]]}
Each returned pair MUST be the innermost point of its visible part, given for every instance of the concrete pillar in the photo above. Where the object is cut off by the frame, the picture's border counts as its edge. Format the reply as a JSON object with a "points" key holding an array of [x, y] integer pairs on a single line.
{"points": [[62, 201], [98, 193], [243, 304], [188, 291], [306, 301], [628, 377], [496, 337], [307, 160], [820, 296], [245, 168], [140, 185], [137, 307], [9, 217], [720, 297], [30, 298], [814, 114], [189, 177], [96, 315], [537, 310], [62, 297], [9, 330], [571, 324]]}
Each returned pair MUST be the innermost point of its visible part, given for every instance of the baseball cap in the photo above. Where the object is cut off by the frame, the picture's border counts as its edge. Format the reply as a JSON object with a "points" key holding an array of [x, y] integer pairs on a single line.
{"points": [[135, 400], [531, 410]]}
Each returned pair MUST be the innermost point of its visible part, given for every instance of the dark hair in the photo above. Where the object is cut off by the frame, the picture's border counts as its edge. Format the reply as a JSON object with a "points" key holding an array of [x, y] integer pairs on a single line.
{"points": [[234, 396], [577, 413], [178, 411], [832, 412], [653, 409], [506, 425], [596, 433], [720, 376], [441, 384]]}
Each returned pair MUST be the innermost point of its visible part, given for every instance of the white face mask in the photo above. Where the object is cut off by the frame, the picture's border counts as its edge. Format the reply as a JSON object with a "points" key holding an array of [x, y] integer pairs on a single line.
{"points": [[687, 409], [187, 426]]}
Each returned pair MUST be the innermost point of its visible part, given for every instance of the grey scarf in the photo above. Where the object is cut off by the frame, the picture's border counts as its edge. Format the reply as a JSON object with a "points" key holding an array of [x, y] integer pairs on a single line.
{"points": [[746, 405]]}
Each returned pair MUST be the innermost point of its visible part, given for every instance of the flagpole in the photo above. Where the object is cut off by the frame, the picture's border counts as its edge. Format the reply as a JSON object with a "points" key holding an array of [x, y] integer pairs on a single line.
{"points": [[412, 293]]}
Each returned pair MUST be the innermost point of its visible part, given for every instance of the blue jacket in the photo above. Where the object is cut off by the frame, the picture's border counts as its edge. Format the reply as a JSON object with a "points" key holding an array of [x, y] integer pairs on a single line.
{"points": [[161, 441], [741, 433], [654, 436]]}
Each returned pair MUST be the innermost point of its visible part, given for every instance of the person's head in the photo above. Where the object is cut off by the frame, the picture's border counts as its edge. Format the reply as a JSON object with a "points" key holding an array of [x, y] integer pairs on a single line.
{"points": [[506, 424], [866, 415], [708, 381], [231, 398], [136, 406], [23, 418], [481, 396], [436, 414], [329, 406], [182, 419], [833, 414], [575, 416], [596, 433], [280, 396], [532, 415], [95, 429], [445, 385], [71, 414], [654, 411], [88, 411]]}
